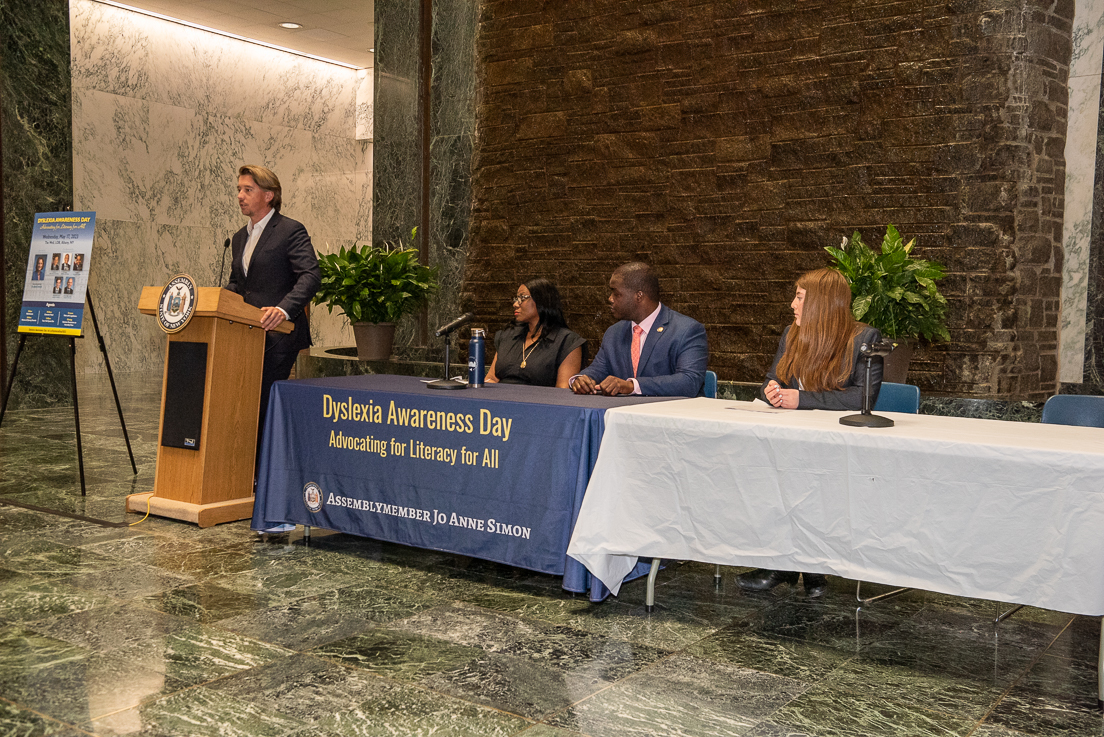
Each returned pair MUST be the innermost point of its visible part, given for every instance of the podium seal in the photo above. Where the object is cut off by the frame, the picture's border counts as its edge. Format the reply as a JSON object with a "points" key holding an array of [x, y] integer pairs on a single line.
{"points": [[177, 303], [312, 496]]}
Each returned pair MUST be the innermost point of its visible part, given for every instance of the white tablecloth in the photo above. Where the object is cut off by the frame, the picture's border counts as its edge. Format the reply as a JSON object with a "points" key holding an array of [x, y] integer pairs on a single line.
{"points": [[995, 510]]}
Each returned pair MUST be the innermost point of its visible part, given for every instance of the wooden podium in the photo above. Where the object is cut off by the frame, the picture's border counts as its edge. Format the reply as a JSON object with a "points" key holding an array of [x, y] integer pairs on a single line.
{"points": [[208, 478]]}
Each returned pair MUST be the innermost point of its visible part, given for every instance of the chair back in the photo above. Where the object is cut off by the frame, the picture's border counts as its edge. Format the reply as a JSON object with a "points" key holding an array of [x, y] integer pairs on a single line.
{"points": [[710, 388], [1074, 409], [898, 398]]}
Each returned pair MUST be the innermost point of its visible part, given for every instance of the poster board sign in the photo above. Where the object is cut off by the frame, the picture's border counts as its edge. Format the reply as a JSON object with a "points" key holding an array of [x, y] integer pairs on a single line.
{"points": [[57, 273]]}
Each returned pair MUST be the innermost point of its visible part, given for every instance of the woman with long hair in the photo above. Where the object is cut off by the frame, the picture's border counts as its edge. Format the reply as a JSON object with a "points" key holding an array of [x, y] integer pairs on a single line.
{"points": [[817, 366], [538, 348]]}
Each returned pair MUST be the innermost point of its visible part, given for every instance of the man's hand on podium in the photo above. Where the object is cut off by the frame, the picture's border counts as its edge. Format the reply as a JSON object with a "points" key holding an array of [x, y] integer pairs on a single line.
{"points": [[271, 317]]}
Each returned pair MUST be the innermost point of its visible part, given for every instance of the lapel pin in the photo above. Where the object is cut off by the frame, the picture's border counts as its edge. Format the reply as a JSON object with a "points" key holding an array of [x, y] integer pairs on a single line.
{"points": [[659, 330]]}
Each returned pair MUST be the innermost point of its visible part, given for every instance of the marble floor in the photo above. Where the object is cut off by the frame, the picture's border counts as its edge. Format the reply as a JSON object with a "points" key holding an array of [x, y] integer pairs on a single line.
{"points": [[162, 628]]}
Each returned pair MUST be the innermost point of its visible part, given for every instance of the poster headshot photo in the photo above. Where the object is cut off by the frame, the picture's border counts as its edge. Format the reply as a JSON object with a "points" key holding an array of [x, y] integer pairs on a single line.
{"points": [[55, 262], [66, 264], [78, 262], [69, 285], [57, 285], [39, 267]]}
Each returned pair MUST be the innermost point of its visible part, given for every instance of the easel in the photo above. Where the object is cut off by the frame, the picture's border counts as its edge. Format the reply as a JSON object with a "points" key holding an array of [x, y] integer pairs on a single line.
{"points": [[73, 381]]}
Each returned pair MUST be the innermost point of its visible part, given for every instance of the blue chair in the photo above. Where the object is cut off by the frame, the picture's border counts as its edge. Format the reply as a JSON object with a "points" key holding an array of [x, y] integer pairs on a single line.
{"points": [[898, 398], [710, 388], [1068, 409], [892, 398]]}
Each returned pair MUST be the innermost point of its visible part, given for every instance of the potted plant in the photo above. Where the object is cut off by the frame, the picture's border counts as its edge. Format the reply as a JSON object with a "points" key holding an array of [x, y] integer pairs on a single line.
{"points": [[895, 293], [375, 286]]}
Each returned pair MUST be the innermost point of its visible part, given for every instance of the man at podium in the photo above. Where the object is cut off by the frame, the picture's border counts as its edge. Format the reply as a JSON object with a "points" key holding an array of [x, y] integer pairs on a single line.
{"points": [[274, 268]]}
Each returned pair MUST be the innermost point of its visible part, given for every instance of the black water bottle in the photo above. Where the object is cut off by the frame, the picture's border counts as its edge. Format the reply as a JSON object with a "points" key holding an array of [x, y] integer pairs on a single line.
{"points": [[476, 356]]}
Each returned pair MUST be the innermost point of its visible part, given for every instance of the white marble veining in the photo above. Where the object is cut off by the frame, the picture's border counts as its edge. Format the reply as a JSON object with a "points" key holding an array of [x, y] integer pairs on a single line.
{"points": [[110, 155], [365, 102], [364, 190], [163, 115], [1084, 117]]}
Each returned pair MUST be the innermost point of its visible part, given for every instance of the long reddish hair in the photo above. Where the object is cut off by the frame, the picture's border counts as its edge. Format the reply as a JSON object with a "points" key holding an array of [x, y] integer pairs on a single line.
{"points": [[819, 351]]}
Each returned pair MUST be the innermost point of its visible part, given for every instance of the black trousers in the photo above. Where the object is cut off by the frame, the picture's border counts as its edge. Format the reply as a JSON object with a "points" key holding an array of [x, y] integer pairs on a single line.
{"points": [[277, 367]]}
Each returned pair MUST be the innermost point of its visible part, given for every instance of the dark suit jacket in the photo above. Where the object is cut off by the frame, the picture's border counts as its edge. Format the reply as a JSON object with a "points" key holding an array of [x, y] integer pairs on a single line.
{"points": [[282, 273], [850, 396], [672, 361]]}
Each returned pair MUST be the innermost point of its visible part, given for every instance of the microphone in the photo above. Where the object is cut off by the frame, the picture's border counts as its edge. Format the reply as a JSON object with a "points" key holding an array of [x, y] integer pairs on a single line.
{"points": [[881, 348], [462, 320], [222, 261]]}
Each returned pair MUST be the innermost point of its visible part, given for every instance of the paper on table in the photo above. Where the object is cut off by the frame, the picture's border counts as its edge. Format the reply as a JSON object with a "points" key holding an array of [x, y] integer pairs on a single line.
{"points": [[758, 405]]}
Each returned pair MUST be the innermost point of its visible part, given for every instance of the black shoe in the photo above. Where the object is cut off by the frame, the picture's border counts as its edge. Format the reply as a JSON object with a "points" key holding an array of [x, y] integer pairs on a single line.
{"points": [[762, 579], [816, 584]]}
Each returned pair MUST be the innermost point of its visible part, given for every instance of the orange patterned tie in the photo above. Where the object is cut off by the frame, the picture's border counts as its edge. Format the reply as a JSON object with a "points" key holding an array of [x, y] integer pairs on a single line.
{"points": [[637, 332]]}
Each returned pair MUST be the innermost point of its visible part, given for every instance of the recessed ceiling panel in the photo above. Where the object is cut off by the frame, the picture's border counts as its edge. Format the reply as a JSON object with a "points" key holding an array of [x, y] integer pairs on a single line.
{"points": [[341, 30]]}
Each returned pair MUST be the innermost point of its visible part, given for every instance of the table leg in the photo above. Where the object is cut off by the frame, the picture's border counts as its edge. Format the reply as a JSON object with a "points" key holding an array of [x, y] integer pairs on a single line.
{"points": [[306, 533], [649, 598], [1100, 668]]}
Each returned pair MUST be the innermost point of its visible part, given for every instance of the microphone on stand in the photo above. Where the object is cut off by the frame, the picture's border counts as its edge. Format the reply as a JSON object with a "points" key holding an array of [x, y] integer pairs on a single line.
{"points": [[447, 383], [222, 261], [870, 351], [458, 322]]}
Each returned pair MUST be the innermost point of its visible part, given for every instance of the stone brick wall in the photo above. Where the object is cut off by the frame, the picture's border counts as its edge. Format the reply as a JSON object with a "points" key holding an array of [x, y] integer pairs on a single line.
{"points": [[727, 142]]}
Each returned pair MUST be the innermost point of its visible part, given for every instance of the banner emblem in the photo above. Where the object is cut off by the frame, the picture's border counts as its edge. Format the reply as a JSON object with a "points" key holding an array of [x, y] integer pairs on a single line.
{"points": [[312, 496]]}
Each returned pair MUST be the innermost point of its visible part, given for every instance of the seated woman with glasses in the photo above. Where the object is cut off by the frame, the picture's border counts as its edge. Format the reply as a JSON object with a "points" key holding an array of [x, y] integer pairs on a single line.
{"points": [[538, 348], [817, 366]]}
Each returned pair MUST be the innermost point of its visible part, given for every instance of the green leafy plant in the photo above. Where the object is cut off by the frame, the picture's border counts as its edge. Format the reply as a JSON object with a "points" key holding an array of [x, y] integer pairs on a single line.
{"points": [[891, 290], [375, 284]]}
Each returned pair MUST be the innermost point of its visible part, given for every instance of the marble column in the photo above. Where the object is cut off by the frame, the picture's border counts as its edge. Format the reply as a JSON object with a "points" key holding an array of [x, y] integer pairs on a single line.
{"points": [[397, 170], [38, 173], [451, 145], [1093, 379], [1081, 137]]}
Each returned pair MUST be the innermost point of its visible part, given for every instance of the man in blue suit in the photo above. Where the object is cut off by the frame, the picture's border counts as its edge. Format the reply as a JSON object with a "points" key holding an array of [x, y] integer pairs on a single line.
{"points": [[653, 350]]}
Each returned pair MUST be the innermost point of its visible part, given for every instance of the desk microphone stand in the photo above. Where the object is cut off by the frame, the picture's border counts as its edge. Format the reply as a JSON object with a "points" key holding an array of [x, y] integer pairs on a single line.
{"points": [[447, 383], [865, 418]]}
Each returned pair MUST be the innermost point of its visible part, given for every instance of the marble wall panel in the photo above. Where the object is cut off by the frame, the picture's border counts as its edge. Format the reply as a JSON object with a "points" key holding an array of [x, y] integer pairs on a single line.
{"points": [[111, 155], [164, 116], [364, 190], [127, 256], [168, 63], [1084, 105], [330, 193], [121, 67], [365, 104]]}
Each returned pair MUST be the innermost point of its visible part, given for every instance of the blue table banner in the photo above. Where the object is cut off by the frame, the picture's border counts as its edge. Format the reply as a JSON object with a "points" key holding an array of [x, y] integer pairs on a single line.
{"points": [[496, 473]]}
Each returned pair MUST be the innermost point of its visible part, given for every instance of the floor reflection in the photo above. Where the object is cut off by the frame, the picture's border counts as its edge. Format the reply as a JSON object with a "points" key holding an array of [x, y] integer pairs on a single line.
{"points": [[163, 628]]}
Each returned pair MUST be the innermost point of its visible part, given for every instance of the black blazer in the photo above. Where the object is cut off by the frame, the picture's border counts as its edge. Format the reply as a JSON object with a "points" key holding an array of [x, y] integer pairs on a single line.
{"points": [[282, 273], [850, 396]]}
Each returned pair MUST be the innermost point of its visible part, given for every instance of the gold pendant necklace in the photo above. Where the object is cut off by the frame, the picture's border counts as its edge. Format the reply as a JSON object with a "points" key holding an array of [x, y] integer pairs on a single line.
{"points": [[533, 347]]}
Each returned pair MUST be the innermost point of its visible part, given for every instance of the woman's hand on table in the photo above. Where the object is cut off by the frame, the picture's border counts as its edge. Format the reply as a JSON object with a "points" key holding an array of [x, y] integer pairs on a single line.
{"points": [[779, 397]]}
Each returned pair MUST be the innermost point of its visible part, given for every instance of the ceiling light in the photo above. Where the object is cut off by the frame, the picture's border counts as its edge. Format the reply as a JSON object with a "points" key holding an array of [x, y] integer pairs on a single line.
{"points": [[371, 51], [290, 25]]}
